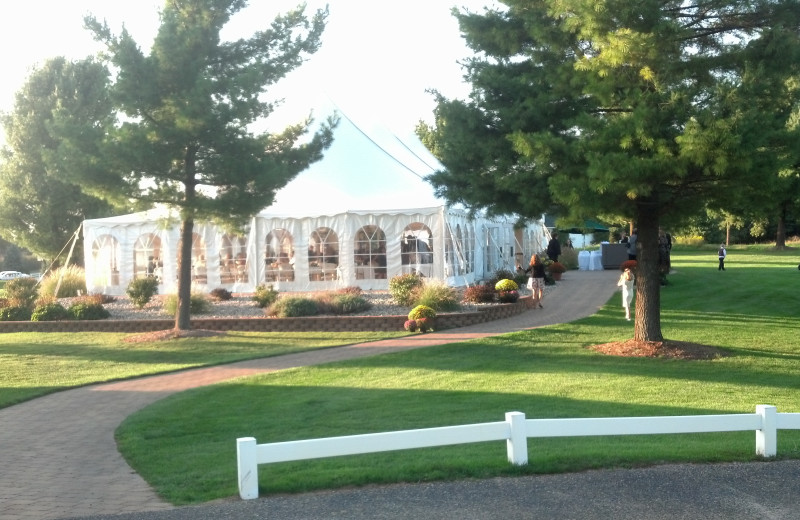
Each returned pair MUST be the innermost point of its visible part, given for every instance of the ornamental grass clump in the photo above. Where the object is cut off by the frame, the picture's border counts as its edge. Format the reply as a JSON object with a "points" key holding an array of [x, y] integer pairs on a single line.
{"points": [[340, 303], [70, 281], [438, 296], [198, 304]]}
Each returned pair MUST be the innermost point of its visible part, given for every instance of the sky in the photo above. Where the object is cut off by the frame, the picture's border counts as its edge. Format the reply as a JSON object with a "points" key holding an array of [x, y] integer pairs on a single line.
{"points": [[377, 59]]}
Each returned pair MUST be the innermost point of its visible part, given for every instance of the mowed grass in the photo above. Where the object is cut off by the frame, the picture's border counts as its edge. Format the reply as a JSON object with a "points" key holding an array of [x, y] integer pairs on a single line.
{"points": [[34, 364], [185, 445]]}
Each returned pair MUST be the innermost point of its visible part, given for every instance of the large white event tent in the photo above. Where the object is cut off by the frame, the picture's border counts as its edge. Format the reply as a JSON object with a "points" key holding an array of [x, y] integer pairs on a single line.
{"points": [[360, 216]]}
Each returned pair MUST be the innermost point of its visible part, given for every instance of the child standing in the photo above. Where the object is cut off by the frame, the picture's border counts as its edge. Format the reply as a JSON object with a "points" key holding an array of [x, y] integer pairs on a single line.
{"points": [[722, 254], [536, 281], [626, 282]]}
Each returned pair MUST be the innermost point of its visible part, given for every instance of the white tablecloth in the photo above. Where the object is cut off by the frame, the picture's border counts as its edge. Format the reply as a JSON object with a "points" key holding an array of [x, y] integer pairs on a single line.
{"points": [[584, 260], [596, 263]]}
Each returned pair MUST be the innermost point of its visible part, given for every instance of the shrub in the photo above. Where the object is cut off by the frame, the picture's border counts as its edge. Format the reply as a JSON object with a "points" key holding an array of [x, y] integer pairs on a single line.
{"points": [[15, 313], [21, 292], [688, 240], [425, 324], [52, 311], [502, 274], [508, 296], [521, 278], [293, 307], [72, 282], [86, 310], [220, 294], [403, 288], [479, 294], [421, 311], [506, 285], [101, 299], [198, 304], [438, 296], [569, 257], [265, 296], [340, 302], [350, 290], [141, 290]]}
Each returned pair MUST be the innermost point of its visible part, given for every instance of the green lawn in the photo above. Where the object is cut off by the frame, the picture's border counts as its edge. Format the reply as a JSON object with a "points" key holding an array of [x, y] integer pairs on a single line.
{"points": [[185, 445], [34, 364]]}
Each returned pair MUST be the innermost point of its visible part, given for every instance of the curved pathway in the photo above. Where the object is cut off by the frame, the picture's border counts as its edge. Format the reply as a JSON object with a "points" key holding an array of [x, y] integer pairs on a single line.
{"points": [[58, 457]]}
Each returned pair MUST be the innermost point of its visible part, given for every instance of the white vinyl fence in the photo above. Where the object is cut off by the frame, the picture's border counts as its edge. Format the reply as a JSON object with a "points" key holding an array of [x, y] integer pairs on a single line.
{"points": [[515, 430]]}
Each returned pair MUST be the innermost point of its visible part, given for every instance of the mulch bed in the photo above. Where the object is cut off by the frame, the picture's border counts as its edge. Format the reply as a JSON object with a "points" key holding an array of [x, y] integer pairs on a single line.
{"points": [[660, 349]]}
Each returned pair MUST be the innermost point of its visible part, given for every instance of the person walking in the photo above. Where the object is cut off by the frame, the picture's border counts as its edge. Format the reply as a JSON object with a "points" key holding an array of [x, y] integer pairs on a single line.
{"points": [[554, 248], [632, 244], [536, 281], [626, 281], [722, 253]]}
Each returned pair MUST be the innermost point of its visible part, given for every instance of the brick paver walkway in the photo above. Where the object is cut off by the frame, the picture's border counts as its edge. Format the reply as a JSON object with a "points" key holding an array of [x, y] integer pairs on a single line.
{"points": [[58, 457]]}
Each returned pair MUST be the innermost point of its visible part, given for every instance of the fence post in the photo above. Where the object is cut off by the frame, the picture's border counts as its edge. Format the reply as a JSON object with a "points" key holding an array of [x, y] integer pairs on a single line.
{"points": [[247, 467], [767, 436], [517, 443]]}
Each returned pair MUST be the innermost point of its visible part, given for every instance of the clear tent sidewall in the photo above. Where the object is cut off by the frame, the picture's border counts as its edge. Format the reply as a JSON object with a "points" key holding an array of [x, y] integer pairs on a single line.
{"points": [[463, 250]]}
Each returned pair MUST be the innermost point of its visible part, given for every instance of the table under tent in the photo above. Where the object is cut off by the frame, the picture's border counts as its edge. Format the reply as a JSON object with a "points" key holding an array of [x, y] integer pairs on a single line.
{"points": [[327, 229]]}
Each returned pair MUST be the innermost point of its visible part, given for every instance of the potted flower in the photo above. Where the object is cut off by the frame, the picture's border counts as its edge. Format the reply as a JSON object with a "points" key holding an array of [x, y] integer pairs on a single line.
{"points": [[556, 269]]}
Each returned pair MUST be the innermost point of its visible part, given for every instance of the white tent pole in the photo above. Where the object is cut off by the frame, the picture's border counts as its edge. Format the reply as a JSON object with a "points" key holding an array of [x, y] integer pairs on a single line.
{"points": [[69, 256]]}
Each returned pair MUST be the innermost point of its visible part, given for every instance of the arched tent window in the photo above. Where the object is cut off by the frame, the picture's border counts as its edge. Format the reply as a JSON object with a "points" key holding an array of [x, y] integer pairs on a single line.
{"points": [[233, 259], [370, 253], [416, 249], [323, 255], [147, 259], [199, 266], [105, 254], [279, 256]]}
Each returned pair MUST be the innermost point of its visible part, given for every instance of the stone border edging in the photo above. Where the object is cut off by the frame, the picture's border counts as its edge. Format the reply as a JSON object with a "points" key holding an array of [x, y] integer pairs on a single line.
{"points": [[309, 324]]}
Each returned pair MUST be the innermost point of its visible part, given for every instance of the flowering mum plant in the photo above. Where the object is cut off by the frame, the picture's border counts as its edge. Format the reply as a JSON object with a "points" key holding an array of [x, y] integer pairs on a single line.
{"points": [[506, 285], [410, 325], [556, 267], [421, 311]]}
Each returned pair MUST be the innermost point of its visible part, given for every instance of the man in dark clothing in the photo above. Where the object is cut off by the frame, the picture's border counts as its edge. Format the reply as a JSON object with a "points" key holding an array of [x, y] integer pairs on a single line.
{"points": [[553, 248]]}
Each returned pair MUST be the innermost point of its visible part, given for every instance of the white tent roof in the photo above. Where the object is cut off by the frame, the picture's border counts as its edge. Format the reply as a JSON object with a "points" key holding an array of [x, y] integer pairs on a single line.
{"points": [[365, 169]]}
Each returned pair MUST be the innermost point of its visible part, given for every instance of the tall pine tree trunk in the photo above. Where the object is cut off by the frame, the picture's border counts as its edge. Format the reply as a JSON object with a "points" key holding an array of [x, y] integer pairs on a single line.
{"points": [[183, 311], [780, 235], [648, 280], [182, 314]]}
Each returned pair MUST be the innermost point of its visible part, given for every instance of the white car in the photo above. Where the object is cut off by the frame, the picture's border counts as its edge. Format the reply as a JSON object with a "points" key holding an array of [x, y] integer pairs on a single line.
{"points": [[12, 275]]}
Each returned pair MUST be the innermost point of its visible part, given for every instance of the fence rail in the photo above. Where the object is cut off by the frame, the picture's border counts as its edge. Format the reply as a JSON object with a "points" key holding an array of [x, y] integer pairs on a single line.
{"points": [[515, 430]]}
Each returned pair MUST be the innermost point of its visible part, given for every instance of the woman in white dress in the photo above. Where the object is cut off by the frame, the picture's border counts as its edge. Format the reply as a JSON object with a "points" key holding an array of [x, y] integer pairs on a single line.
{"points": [[626, 282]]}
